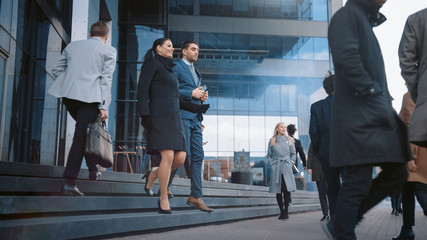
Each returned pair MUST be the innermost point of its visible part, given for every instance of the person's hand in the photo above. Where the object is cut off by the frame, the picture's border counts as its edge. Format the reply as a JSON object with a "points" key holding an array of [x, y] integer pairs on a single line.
{"points": [[204, 97], [412, 166], [103, 114], [197, 93], [305, 167], [203, 108], [309, 171], [146, 122]]}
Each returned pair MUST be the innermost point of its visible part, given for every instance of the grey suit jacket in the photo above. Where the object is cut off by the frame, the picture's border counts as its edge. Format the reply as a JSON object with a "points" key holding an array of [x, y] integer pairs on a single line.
{"points": [[84, 72]]}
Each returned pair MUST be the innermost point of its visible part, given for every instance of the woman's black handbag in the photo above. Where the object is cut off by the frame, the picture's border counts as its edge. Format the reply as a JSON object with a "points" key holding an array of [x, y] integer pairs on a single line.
{"points": [[295, 169], [99, 144]]}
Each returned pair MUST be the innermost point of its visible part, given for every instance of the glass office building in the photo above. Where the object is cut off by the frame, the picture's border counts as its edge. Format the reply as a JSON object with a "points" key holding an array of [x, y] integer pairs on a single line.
{"points": [[263, 62]]}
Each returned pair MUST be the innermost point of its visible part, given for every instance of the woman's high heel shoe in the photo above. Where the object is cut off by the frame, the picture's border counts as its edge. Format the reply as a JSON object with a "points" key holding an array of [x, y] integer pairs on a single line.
{"points": [[405, 234], [147, 190], [162, 211]]}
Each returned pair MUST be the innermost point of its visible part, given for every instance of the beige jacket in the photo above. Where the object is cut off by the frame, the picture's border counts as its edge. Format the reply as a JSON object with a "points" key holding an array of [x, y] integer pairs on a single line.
{"points": [[419, 153]]}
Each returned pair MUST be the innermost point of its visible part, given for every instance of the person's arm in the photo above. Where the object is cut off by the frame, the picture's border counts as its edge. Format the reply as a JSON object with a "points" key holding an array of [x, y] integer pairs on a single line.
{"points": [[192, 107], [343, 36], [143, 94], [310, 159], [301, 153], [409, 59], [107, 80], [314, 131], [60, 65], [293, 153], [270, 153]]}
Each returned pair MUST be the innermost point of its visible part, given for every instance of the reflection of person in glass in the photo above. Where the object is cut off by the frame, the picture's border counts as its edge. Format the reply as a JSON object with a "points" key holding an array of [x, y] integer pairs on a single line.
{"points": [[281, 156], [158, 106]]}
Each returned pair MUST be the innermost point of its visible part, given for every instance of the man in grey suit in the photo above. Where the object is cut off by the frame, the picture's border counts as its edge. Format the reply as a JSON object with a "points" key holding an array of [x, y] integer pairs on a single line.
{"points": [[413, 63], [190, 89], [83, 77]]}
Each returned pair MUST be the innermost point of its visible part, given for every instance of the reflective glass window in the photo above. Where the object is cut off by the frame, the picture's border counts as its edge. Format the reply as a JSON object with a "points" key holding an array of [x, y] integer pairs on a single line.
{"points": [[2, 79], [321, 49], [272, 99], [181, 7], [256, 8], [241, 133], [210, 134], [288, 98], [306, 48], [256, 98], [225, 136], [257, 134], [241, 97], [320, 10]]}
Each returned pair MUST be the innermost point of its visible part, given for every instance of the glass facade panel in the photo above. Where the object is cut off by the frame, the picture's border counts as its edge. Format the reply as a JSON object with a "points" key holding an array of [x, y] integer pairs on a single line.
{"points": [[320, 10], [272, 99], [2, 79], [241, 133], [257, 134], [225, 138], [306, 10], [278, 47]]}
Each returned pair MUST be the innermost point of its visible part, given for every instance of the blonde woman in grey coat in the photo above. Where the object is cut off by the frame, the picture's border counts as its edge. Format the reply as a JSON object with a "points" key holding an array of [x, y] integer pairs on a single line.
{"points": [[281, 156]]}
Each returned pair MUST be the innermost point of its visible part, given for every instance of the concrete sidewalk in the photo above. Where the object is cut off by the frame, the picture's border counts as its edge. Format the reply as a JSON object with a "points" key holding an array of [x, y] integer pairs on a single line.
{"points": [[378, 224]]}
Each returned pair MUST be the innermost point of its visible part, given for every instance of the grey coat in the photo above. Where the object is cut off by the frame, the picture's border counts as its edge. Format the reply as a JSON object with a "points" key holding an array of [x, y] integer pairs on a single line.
{"points": [[281, 157], [84, 72], [413, 63]]}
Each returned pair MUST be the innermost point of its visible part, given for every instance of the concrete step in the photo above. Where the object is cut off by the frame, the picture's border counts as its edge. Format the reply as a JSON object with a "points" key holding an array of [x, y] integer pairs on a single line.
{"points": [[65, 227], [31, 205]]}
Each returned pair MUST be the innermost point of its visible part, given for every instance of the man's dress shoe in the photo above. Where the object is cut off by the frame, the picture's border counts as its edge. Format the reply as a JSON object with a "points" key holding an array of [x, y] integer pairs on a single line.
{"points": [[94, 175], [69, 190], [198, 203]]}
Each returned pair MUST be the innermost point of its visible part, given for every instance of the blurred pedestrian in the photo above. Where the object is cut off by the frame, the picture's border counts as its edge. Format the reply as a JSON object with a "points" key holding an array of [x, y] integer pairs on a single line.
{"points": [[413, 65], [314, 168], [320, 135], [281, 156], [298, 148], [417, 180], [365, 130]]}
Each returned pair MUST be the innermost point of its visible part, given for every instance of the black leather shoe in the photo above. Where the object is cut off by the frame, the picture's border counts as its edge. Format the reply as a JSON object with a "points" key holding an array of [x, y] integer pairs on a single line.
{"points": [[405, 234], [94, 175], [147, 190], [161, 211], [328, 228], [325, 218], [69, 190]]}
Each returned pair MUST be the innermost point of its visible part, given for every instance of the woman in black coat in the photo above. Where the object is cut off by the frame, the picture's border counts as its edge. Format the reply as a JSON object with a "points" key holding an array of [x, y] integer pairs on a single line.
{"points": [[158, 106]]}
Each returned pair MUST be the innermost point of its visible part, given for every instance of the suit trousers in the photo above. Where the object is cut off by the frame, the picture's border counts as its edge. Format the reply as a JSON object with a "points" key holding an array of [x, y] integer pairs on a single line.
{"points": [[359, 193], [333, 177], [83, 113], [194, 159], [322, 188]]}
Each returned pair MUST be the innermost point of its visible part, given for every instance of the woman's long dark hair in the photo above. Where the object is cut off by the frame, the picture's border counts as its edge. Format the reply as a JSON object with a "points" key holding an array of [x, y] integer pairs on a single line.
{"points": [[150, 53]]}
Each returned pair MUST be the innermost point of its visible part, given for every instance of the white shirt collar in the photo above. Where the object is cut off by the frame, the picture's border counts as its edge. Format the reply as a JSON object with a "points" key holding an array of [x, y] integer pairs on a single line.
{"points": [[186, 62]]}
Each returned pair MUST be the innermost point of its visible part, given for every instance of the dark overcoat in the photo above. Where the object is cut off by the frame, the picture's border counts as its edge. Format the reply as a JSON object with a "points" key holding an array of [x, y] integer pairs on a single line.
{"points": [[320, 128], [365, 129], [413, 63], [314, 164], [158, 98]]}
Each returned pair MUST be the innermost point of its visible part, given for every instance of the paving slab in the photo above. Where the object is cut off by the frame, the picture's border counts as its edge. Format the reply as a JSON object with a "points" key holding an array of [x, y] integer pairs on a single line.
{"points": [[378, 224]]}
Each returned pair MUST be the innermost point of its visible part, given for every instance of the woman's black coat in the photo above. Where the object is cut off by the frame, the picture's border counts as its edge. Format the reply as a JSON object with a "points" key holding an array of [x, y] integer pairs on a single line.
{"points": [[159, 107]]}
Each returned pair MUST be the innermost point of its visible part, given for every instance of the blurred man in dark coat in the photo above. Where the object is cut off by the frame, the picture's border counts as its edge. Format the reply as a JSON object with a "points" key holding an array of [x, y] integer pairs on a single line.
{"points": [[320, 128], [365, 129]]}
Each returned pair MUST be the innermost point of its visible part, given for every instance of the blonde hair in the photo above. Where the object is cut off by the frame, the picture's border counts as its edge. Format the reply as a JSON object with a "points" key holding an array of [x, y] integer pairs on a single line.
{"points": [[273, 139]]}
